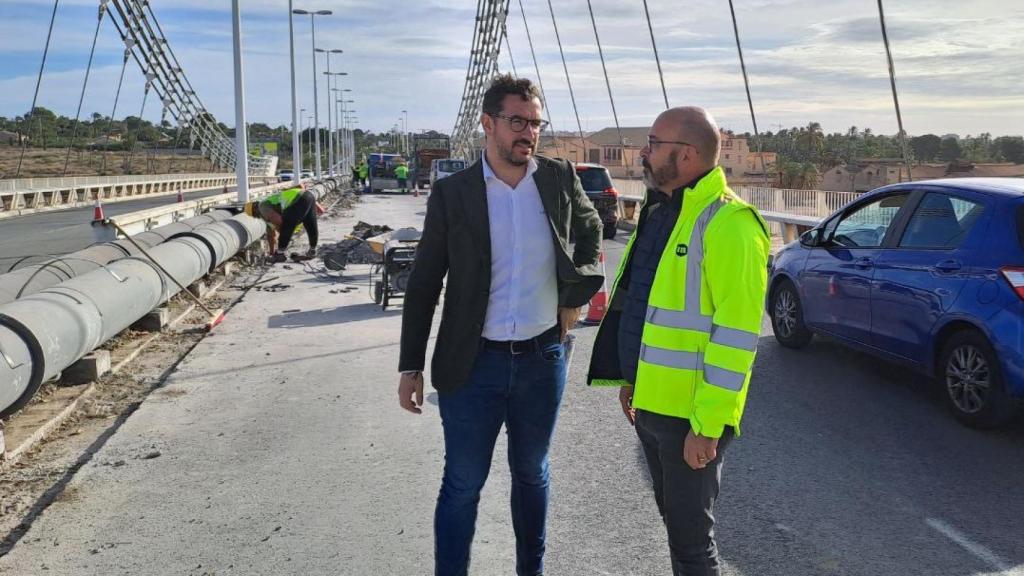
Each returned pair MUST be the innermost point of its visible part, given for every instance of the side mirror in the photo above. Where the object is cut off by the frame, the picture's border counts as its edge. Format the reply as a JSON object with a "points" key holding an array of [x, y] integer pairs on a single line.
{"points": [[810, 239]]}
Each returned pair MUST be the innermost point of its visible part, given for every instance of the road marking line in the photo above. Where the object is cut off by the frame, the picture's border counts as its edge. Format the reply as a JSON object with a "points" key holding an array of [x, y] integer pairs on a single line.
{"points": [[980, 552]]}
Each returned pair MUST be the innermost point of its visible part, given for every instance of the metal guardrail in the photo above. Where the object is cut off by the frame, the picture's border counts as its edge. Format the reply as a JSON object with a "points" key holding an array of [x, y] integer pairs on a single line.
{"points": [[42, 194], [143, 220]]}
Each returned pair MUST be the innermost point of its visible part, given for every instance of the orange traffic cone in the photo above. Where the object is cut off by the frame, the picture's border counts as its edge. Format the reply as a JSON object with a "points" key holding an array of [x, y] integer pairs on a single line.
{"points": [[181, 195], [97, 210], [599, 303]]}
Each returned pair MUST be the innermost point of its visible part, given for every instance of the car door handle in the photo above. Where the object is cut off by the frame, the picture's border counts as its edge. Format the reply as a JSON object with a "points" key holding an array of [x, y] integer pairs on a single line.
{"points": [[864, 263], [948, 266]]}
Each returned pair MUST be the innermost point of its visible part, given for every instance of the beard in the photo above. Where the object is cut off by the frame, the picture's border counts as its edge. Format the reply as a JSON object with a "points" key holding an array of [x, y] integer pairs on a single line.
{"points": [[506, 153], [655, 178]]}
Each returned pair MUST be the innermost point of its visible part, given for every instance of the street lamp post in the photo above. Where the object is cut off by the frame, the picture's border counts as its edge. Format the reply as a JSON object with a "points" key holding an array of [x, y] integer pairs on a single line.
{"points": [[309, 137], [296, 123], [405, 131], [347, 114], [298, 138], [316, 114], [330, 90], [241, 144], [330, 125]]}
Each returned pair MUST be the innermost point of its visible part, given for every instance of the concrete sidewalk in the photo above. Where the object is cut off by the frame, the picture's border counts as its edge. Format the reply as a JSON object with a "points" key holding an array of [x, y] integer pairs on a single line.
{"points": [[278, 447]]}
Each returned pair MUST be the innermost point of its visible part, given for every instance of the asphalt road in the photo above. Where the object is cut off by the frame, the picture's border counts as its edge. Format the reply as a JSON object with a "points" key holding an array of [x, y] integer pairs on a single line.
{"points": [[63, 231], [283, 451]]}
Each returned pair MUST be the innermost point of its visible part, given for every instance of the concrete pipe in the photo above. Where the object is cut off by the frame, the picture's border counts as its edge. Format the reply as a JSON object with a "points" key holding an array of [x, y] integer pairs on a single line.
{"points": [[221, 240], [249, 229], [32, 279], [161, 234], [185, 259], [59, 325]]}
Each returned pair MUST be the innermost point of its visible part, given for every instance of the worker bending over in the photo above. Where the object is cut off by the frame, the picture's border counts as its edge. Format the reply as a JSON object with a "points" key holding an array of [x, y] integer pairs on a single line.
{"points": [[284, 211]]}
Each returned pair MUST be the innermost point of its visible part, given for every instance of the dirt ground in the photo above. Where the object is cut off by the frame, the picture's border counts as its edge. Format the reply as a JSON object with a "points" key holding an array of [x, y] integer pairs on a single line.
{"points": [[28, 485], [40, 163]]}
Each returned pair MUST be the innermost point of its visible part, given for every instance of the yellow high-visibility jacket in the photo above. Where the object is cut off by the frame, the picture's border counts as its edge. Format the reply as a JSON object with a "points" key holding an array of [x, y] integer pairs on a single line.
{"points": [[703, 315]]}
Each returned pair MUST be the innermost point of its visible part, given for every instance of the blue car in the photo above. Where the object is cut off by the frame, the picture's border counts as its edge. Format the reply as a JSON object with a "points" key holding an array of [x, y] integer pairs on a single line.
{"points": [[928, 274]]}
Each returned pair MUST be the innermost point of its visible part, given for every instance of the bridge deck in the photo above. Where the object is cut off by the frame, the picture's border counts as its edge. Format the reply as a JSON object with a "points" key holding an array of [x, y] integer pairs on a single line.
{"points": [[283, 451]]}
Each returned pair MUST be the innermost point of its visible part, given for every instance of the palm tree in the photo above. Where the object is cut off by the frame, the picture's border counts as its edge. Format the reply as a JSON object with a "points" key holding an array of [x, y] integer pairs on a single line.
{"points": [[812, 138]]}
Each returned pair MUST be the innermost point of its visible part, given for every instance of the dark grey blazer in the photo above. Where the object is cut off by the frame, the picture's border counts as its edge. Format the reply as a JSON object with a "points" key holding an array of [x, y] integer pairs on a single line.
{"points": [[456, 243]]}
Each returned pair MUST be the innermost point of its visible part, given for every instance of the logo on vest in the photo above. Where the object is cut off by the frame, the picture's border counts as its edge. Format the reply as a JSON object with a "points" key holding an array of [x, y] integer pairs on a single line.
{"points": [[681, 250]]}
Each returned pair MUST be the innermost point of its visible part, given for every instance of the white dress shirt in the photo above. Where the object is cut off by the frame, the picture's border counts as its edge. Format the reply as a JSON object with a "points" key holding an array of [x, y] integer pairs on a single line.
{"points": [[524, 285]]}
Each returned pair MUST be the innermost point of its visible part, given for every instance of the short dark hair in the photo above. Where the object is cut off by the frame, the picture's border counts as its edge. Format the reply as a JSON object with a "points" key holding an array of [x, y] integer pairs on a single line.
{"points": [[505, 85]]}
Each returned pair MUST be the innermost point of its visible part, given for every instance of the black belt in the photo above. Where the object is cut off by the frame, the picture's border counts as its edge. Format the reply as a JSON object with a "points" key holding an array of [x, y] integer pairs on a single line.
{"points": [[515, 347]]}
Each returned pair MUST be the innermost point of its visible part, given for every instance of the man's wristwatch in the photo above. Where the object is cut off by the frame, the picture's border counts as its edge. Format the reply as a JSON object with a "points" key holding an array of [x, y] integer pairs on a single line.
{"points": [[411, 372]]}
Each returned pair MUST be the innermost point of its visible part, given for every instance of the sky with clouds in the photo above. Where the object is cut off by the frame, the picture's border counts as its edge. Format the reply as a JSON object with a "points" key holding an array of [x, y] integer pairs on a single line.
{"points": [[959, 65]]}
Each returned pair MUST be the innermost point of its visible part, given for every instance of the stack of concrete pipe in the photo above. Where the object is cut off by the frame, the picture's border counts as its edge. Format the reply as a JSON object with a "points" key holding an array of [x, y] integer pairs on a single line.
{"points": [[53, 314], [54, 270], [43, 333]]}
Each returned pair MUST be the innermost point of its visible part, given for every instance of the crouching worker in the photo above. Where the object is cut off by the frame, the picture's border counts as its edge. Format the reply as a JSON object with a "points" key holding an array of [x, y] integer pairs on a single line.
{"points": [[284, 211]]}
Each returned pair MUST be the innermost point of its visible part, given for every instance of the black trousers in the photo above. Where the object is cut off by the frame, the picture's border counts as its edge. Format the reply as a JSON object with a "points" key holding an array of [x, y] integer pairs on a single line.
{"points": [[302, 211], [685, 497]]}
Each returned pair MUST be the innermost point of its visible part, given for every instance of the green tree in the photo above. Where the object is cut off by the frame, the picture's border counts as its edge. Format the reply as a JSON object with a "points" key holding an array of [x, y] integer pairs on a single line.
{"points": [[926, 148], [949, 150], [1010, 148]]}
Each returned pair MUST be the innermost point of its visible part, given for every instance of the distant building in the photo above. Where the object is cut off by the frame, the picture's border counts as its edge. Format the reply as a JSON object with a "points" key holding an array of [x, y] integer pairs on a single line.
{"points": [[570, 148], [622, 158], [868, 174], [743, 166]]}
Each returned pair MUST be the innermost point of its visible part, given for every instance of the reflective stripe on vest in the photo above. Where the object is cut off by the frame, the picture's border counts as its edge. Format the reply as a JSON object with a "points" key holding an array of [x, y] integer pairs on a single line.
{"points": [[690, 318]]}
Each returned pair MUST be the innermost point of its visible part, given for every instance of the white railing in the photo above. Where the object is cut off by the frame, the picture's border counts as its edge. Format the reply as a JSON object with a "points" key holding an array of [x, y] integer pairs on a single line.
{"points": [[63, 193], [75, 181], [802, 205]]}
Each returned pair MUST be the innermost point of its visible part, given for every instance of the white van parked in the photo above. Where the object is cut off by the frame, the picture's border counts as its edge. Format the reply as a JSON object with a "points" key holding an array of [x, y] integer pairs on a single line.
{"points": [[445, 167]]}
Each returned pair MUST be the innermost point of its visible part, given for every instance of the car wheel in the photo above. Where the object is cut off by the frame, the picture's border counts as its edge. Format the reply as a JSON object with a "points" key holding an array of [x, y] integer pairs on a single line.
{"points": [[610, 232], [972, 381], [788, 317]]}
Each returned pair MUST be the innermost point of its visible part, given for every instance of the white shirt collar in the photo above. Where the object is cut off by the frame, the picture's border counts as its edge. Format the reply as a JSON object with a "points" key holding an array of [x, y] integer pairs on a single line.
{"points": [[489, 174]]}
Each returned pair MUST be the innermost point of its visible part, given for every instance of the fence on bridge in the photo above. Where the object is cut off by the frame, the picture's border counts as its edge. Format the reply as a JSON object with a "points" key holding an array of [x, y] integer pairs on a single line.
{"points": [[805, 204], [28, 195]]}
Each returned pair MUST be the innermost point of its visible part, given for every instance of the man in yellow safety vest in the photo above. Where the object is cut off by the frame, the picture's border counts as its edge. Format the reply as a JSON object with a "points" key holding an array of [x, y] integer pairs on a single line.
{"points": [[284, 211], [402, 174], [682, 327]]}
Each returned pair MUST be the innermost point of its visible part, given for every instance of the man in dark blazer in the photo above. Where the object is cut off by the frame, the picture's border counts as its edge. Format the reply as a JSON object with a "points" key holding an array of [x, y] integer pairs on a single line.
{"points": [[499, 231]]}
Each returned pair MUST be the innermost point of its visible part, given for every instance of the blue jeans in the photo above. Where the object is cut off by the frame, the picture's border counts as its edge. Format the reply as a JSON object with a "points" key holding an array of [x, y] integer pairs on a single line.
{"points": [[523, 392]]}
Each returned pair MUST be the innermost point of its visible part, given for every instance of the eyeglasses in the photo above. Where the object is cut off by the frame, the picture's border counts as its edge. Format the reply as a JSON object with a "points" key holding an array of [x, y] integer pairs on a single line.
{"points": [[519, 124], [652, 142]]}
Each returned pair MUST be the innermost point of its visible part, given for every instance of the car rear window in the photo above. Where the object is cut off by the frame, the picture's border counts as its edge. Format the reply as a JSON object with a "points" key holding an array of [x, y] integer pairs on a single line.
{"points": [[594, 179], [451, 166]]}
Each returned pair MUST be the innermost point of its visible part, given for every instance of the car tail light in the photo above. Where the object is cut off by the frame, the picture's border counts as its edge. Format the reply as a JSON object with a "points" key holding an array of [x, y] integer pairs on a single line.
{"points": [[582, 168], [611, 192], [1015, 276]]}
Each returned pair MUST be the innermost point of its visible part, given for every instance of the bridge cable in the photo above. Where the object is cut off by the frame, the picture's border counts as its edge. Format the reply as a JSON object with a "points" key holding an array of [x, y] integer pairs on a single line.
{"points": [[117, 97], [543, 94], [85, 84], [35, 97], [511, 59], [138, 128], [572, 97], [615, 114], [657, 58], [895, 97], [750, 101]]}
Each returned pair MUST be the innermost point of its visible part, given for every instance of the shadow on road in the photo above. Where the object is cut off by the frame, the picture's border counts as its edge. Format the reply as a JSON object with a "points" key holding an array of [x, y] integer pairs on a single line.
{"points": [[329, 316]]}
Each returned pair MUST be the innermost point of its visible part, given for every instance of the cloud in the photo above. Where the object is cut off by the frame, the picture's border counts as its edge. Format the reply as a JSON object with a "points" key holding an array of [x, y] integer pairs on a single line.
{"points": [[806, 60]]}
